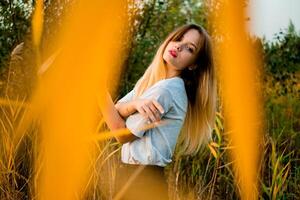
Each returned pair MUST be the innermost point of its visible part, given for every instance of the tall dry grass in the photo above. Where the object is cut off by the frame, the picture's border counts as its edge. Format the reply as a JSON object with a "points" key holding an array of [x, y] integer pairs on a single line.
{"points": [[207, 175], [19, 172]]}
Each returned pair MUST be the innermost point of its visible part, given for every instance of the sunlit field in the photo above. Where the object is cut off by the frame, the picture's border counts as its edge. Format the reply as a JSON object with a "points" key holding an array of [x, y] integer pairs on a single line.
{"points": [[54, 143]]}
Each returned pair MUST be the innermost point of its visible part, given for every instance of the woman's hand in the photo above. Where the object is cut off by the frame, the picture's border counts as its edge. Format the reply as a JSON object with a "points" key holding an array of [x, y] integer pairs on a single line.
{"points": [[150, 109]]}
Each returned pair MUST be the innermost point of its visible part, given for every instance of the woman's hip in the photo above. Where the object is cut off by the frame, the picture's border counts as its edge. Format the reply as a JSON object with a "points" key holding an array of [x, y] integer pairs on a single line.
{"points": [[136, 181]]}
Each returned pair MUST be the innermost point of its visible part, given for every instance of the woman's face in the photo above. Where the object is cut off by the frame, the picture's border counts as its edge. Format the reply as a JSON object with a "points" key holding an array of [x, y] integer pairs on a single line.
{"points": [[181, 54]]}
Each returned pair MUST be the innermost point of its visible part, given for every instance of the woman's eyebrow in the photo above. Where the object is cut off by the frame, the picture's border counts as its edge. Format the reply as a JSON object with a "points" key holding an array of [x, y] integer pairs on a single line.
{"points": [[190, 43], [193, 44]]}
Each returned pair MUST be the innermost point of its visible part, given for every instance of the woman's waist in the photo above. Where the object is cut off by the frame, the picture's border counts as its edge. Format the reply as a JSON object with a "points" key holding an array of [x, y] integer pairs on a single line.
{"points": [[135, 154], [136, 167]]}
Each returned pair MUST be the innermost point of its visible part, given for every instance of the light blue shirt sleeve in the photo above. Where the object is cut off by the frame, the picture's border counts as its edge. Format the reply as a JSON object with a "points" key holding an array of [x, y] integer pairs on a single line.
{"points": [[136, 122], [127, 97]]}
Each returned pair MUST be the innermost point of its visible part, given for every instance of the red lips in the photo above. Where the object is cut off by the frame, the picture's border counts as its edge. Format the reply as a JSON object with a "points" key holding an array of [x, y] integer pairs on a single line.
{"points": [[173, 53]]}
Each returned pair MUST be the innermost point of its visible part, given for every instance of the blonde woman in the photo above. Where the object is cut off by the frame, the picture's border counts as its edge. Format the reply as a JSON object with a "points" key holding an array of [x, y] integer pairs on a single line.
{"points": [[177, 88]]}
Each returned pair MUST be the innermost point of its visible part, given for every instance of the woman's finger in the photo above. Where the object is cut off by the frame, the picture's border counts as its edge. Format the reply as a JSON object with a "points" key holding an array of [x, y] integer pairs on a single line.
{"points": [[158, 106], [155, 111], [142, 112], [149, 113]]}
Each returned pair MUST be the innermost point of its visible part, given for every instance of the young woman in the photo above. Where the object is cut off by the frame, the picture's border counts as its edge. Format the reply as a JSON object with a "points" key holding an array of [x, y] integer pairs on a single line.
{"points": [[179, 89]]}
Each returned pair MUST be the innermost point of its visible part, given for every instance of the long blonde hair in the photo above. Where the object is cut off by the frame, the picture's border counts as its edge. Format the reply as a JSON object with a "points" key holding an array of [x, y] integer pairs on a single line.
{"points": [[200, 85]]}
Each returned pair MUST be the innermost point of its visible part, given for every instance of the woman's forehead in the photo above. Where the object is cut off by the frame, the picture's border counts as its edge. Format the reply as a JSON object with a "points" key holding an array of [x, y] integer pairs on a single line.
{"points": [[192, 36]]}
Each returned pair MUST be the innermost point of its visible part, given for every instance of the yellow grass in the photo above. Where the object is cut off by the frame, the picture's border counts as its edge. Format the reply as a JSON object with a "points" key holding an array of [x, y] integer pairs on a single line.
{"points": [[66, 95], [37, 22], [238, 63]]}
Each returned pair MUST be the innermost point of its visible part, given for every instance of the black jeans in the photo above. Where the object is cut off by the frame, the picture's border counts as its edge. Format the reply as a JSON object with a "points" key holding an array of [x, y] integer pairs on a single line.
{"points": [[141, 182]]}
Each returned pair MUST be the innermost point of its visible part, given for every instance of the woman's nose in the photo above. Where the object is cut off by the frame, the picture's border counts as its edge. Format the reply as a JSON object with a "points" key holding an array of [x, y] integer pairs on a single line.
{"points": [[177, 47]]}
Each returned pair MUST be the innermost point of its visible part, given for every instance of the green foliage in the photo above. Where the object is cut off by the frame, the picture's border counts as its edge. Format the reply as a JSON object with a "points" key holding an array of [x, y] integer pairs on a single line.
{"points": [[280, 170], [282, 56], [14, 24], [281, 83]]}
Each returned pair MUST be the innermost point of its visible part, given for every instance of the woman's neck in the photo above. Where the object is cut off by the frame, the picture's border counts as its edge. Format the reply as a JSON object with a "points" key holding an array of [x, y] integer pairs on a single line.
{"points": [[172, 73]]}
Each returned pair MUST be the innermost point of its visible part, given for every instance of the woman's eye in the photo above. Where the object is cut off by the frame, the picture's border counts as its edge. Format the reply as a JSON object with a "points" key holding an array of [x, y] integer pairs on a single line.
{"points": [[190, 49]]}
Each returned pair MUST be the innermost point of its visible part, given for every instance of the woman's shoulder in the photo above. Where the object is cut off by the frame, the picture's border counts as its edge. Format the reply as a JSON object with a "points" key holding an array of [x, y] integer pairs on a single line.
{"points": [[171, 88], [172, 84], [174, 87]]}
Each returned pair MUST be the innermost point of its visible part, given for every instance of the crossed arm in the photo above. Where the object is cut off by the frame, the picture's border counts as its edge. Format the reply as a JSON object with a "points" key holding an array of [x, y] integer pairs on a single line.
{"points": [[114, 114]]}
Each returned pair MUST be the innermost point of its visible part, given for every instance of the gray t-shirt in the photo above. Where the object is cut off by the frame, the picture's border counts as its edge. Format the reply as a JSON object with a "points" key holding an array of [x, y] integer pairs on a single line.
{"points": [[156, 146]]}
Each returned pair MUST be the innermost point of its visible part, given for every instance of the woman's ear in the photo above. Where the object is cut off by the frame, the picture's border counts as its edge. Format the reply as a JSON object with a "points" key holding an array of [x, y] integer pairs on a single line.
{"points": [[192, 67]]}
